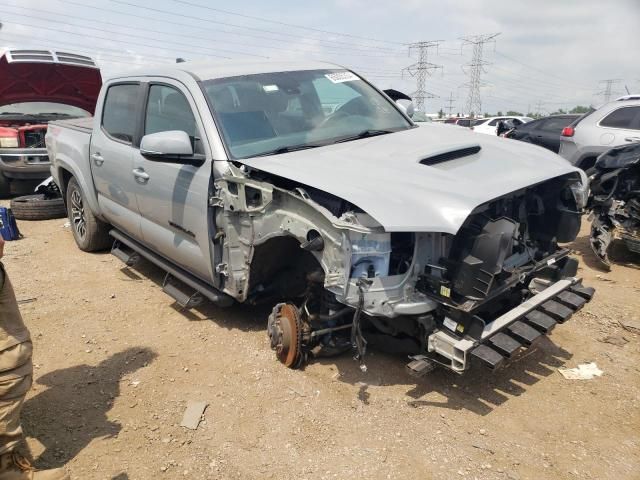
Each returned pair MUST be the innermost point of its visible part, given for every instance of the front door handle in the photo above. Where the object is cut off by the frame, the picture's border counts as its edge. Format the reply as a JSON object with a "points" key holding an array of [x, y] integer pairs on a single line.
{"points": [[632, 139], [97, 159], [141, 175]]}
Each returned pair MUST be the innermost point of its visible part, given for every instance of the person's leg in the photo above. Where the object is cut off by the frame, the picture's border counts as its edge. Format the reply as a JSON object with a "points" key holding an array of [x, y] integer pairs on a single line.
{"points": [[16, 369], [15, 382]]}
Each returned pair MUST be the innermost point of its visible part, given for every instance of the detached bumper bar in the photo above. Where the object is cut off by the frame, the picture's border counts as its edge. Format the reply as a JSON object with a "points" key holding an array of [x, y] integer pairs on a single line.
{"points": [[520, 327]]}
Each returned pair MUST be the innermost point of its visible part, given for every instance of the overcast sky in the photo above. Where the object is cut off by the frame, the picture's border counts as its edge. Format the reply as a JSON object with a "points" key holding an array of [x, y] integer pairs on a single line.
{"points": [[550, 54]]}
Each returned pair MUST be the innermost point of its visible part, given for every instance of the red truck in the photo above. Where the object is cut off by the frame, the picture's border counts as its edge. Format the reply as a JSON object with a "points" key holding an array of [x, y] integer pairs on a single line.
{"points": [[37, 86]]}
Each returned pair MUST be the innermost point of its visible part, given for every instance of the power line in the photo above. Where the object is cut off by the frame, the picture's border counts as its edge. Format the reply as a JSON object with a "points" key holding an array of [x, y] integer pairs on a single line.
{"points": [[564, 80], [421, 70], [133, 35], [607, 91], [245, 27], [476, 68], [228, 12], [101, 22]]}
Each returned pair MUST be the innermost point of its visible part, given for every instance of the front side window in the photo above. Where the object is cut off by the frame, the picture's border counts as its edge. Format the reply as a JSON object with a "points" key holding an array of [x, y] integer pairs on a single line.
{"points": [[271, 113], [621, 118], [168, 109], [119, 113]]}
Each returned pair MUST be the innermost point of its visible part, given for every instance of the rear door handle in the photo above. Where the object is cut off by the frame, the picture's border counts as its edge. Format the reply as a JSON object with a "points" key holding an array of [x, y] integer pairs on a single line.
{"points": [[97, 159], [632, 139], [141, 175]]}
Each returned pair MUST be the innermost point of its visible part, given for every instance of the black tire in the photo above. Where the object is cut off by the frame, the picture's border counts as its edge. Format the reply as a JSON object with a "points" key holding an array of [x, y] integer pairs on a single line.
{"points": [[5, 186], [37, 207], [90, 233]]}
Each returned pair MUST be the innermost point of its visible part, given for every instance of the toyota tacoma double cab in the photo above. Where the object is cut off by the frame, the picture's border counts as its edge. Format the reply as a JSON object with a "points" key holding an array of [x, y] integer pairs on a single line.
{"points": [[303, 186], [39, 86]]}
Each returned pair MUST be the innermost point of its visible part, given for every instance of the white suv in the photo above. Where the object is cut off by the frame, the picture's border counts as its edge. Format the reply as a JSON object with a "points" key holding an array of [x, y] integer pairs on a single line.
{"points": [[613, 124], [489, 125]]}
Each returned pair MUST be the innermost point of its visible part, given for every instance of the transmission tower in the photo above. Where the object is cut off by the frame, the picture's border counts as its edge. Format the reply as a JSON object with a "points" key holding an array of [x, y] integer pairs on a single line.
{"points": [[607, 91], [421, 70], [475, 69], [450, 102]]}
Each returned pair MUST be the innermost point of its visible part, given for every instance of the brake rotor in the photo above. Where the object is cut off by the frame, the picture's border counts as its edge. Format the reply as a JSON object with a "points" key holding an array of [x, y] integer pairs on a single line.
{"points": [[285, 334]]}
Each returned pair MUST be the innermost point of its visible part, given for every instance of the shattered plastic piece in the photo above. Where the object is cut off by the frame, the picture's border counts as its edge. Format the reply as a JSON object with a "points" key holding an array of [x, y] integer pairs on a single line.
{"points": [[630, 324], [193, 414], [584, 371], [617, 340]]}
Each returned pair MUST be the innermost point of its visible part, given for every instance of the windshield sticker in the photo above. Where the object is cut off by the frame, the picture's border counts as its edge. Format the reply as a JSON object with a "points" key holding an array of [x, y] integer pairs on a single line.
{"points": [[270, 88], [340, 77]]}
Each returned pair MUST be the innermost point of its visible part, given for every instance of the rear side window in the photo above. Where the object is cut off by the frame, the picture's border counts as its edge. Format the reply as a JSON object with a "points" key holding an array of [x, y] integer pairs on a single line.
{"points": [[119, 114], [555, 125], [495, 121], [622, 118]]}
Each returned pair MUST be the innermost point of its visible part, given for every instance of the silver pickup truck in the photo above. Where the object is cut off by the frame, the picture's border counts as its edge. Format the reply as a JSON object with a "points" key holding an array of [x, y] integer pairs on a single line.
{"points": [[302, 186]]}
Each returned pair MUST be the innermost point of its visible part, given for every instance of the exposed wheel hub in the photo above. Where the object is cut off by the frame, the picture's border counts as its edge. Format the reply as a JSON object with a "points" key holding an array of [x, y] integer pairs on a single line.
{"points": [[285, 334]]}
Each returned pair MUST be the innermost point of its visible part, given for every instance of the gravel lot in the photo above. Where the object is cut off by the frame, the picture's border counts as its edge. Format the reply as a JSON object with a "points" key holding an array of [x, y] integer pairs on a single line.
{"points": [[116, 363]]}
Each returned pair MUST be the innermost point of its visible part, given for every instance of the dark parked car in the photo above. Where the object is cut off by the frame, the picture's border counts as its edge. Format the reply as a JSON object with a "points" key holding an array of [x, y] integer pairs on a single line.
{"points": [[544, 131]]}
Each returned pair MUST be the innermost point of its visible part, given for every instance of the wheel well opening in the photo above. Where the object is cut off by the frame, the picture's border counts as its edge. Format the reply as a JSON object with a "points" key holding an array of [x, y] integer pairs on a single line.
{"points": [[65, 176], [280, 269], [587, 162]]}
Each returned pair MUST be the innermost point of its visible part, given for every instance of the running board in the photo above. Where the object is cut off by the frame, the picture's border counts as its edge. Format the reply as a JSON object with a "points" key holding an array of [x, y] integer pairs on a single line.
{"points": [[183, 295], [215, 296], [128, 255]]}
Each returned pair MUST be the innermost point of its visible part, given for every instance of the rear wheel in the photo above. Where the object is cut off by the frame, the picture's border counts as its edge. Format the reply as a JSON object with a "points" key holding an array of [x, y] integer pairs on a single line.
{"points": [[90, 233]]}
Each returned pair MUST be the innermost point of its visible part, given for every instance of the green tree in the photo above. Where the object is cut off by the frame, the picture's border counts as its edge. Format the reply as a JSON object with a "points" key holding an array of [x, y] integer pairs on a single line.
{"points": [[580, 109], [440, 113], [499, 114], [513, 113]]}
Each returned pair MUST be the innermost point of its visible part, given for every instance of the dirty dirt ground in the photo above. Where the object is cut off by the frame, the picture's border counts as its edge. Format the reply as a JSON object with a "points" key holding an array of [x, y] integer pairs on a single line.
{"points": [[116, 364]]}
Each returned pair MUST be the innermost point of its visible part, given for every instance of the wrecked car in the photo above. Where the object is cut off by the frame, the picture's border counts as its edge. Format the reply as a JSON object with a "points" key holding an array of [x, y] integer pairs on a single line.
{"points": [[614, 201], [38, 86], [304, 187]]}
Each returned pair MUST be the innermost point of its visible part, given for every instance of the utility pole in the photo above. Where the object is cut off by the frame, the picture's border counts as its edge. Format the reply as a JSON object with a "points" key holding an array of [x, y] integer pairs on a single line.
{"points": [[607, 91], [475, 69], [421, 70], [450, 102], [539, 108]]}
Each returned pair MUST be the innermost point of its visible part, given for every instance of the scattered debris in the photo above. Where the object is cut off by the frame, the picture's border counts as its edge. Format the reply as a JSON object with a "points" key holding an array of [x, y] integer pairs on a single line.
{"points": [[482, 447], [193, 414], [617, 340], [584, 371], [604, 279], [630, 324], [296, 392], [66, 225], [27, 300]]}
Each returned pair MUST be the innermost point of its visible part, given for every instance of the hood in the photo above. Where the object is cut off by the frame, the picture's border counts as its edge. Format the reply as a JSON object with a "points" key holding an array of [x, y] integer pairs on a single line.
{"points": [[384, 175], [43, 76]]}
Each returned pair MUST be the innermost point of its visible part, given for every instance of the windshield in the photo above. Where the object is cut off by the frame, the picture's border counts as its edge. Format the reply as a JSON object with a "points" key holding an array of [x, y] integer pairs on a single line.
{"points": [[272, 113], [42, 108]]}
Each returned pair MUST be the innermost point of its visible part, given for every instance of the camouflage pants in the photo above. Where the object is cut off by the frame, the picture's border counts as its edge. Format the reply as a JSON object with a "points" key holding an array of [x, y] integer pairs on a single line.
{"points": [[16, 368]]}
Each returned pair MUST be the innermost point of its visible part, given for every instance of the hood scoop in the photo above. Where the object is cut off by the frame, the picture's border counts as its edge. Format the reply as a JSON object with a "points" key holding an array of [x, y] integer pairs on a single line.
{"points": [[451, 154]]}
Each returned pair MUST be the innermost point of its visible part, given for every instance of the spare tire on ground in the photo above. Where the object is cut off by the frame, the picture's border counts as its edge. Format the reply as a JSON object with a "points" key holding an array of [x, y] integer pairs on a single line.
{"points": [[38, 207]]}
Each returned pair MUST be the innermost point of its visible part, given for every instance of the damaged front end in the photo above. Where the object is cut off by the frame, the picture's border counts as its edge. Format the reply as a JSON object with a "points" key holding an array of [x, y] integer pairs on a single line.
{"points": [[340, 282], [614, 203]]}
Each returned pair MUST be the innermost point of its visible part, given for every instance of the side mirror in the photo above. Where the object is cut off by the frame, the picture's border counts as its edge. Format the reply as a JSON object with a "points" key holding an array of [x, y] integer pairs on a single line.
{"points": [[173, 146], [406, 106]]}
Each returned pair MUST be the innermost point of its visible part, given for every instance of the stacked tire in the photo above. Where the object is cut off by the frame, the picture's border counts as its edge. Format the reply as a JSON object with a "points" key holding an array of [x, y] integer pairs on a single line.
{"points": [[38, 207]]}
